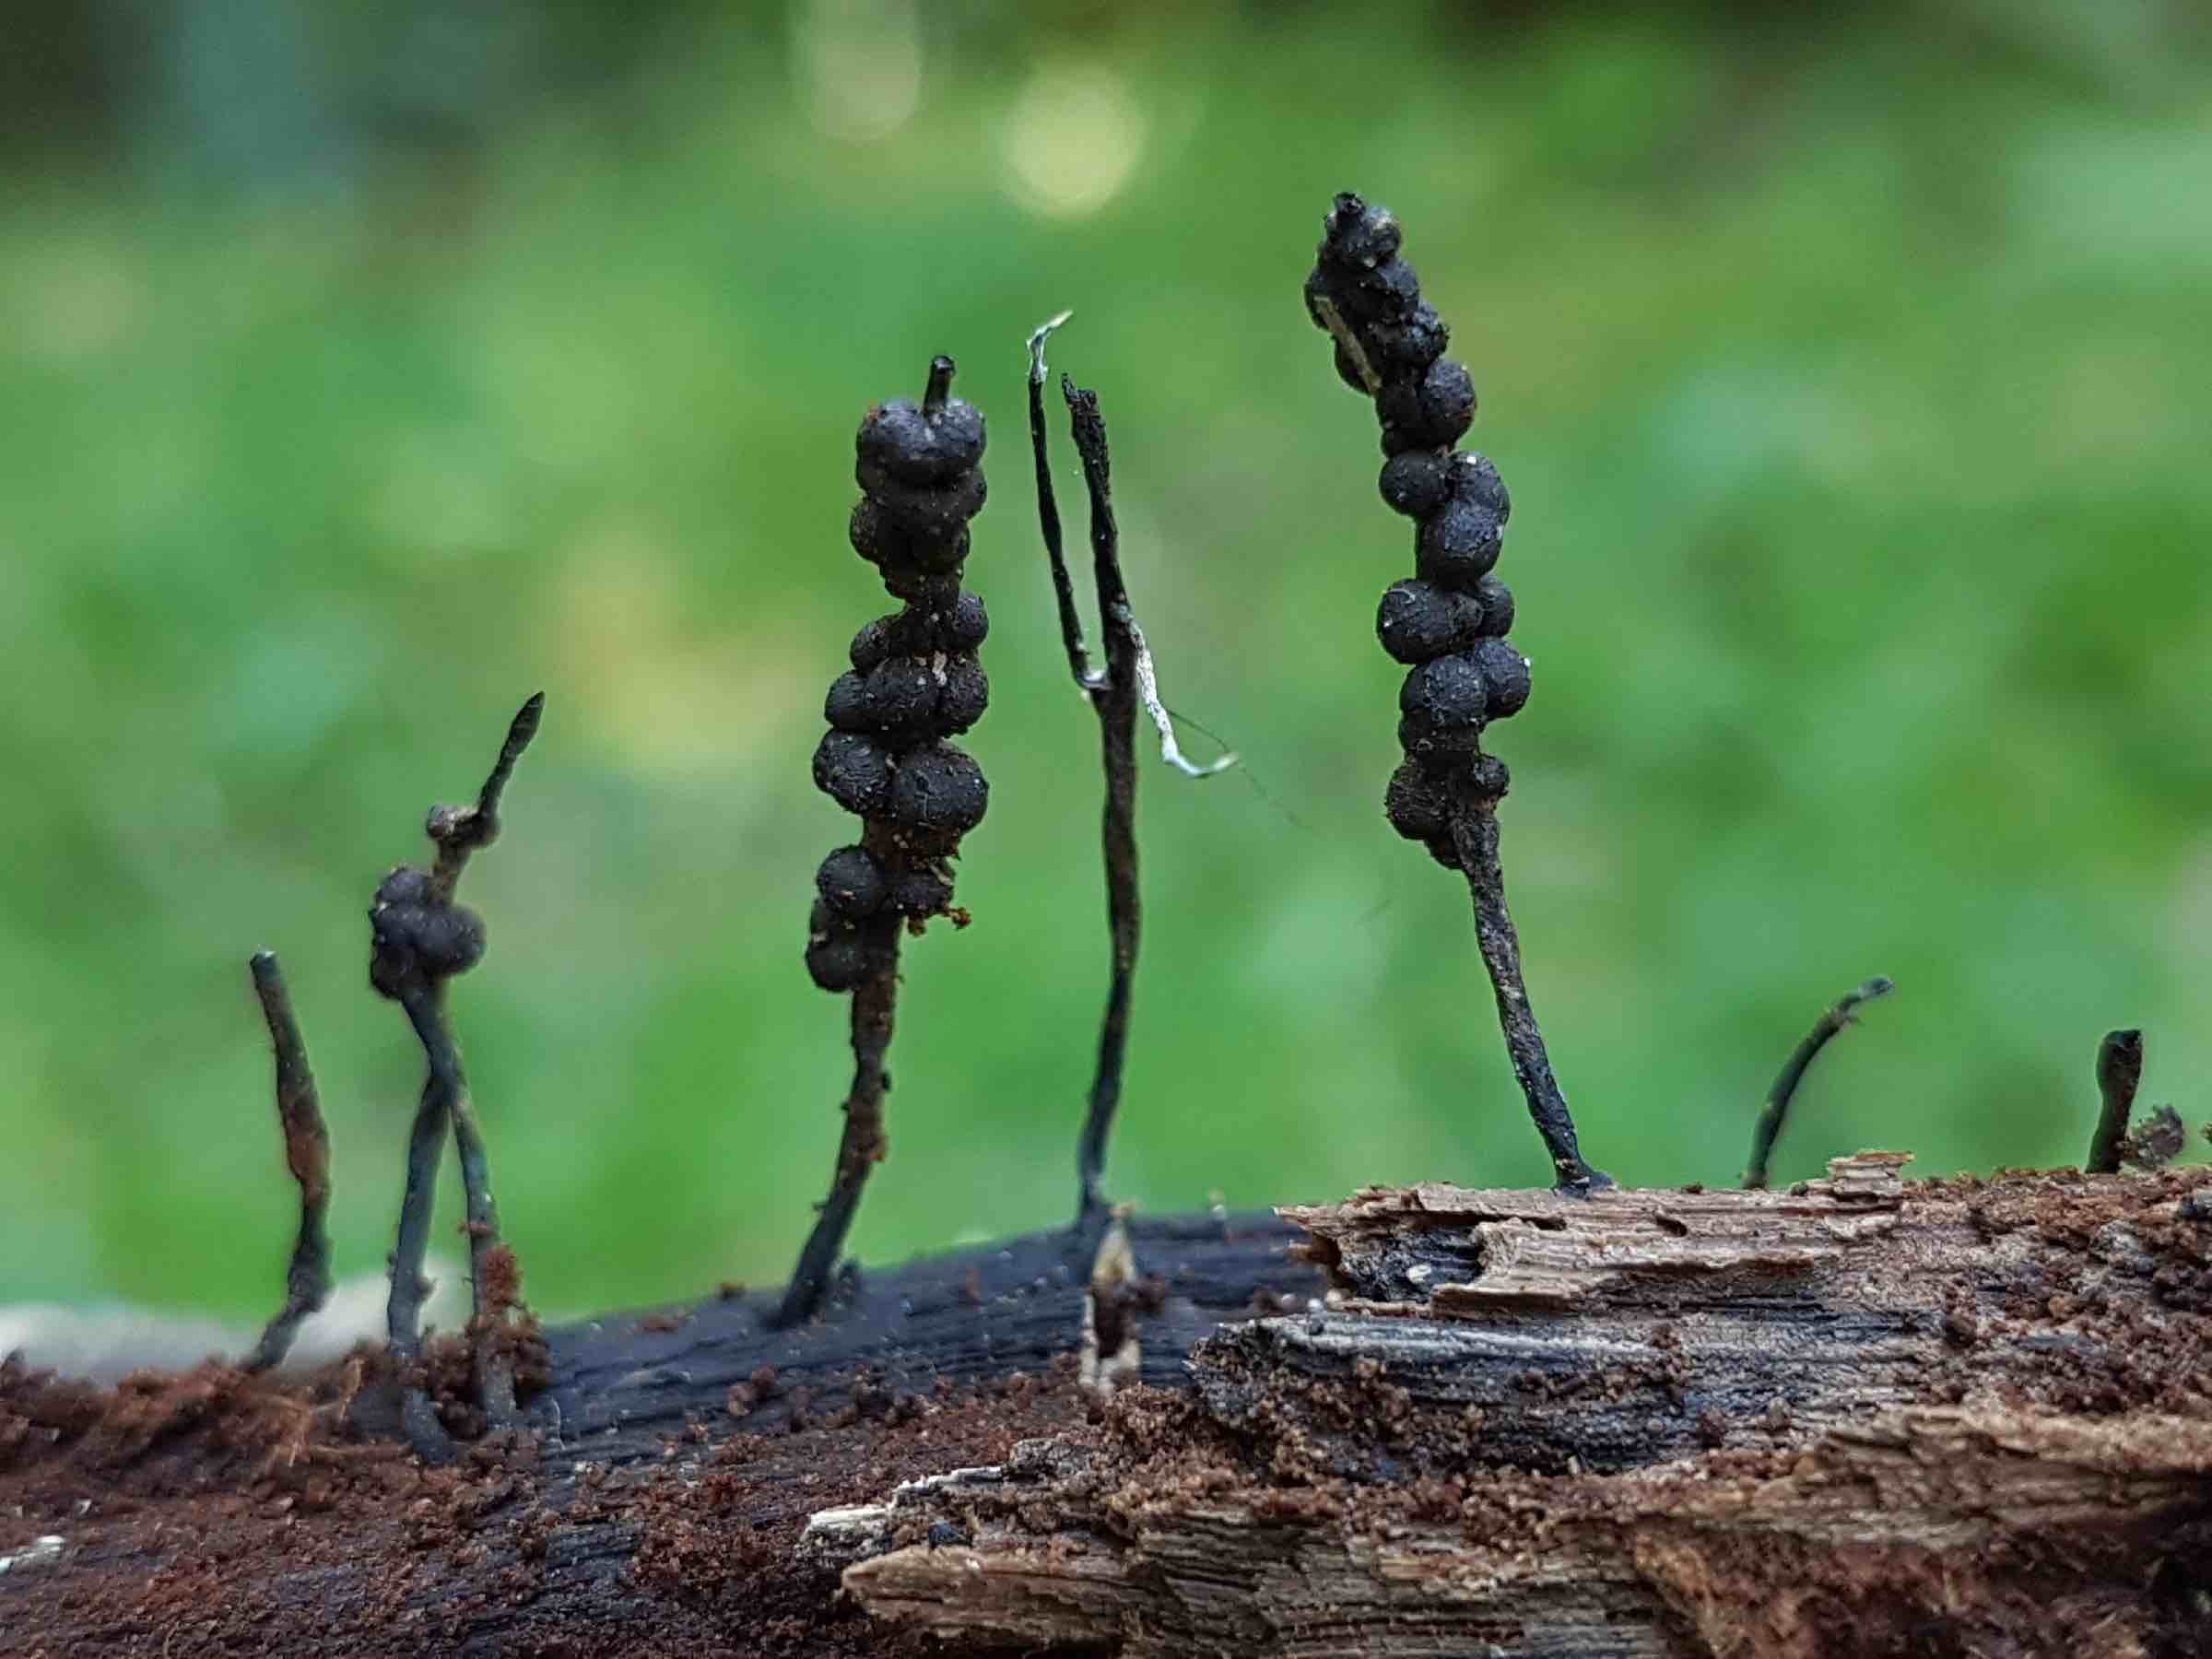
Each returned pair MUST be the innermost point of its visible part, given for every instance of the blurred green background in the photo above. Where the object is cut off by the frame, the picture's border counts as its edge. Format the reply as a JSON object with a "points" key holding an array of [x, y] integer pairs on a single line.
{"points": [[365, 368]]}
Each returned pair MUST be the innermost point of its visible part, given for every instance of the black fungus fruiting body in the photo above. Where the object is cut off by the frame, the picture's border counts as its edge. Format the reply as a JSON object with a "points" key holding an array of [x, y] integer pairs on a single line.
{"points": [[913, 684], [415, 937], [1450, 623], [420, 938]]}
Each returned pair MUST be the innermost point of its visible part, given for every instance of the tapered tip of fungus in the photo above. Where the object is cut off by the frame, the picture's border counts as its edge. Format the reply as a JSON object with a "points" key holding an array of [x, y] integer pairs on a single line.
{"points": [[940, 383], [1359, 233]]}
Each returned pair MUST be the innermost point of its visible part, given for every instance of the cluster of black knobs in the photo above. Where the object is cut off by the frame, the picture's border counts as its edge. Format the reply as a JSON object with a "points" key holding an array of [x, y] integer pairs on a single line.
{"points": [[1448, 624], [417, 938], [915, 682]]}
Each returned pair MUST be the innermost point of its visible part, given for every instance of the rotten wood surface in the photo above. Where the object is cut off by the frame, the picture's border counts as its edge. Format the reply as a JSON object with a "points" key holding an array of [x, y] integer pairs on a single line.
{"points": [[1859, 1416], [622, 1386], [1855, 1418], [212, 1511]]}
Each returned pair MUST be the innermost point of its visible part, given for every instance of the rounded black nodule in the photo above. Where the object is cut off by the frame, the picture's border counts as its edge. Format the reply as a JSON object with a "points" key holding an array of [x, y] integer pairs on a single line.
{"points": [[1446, 693], [855, 771], [1429, 412], [851, 883], [1505, 674], [1417, 621], [414, 938], [1360, 233], [1458, 545], [939, 788]]}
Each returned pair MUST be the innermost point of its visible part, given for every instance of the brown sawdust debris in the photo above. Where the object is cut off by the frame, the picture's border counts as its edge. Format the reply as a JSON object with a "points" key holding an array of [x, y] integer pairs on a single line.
{"points": [[180, 1495]]}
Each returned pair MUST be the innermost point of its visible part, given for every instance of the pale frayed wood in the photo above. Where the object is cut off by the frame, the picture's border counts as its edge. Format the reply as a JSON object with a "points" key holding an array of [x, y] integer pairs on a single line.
{"points": [[1858, 1346], [1226, 1580]]}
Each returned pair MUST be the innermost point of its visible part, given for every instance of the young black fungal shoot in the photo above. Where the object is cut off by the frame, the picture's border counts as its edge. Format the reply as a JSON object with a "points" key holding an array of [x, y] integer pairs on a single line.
{"points": [[306, 1153], [1113, 692], [915, 682], [2119, 1074], [420, 938], [1448, 624], [1837, 1019]]}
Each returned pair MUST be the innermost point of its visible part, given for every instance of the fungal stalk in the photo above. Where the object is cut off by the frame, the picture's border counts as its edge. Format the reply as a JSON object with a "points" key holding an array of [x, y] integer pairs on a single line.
{"points": [[914, 683], [2119, 1074], [307, 1154], [1448, 624], [1767, 1130], [1116, 692], [419, 940]]}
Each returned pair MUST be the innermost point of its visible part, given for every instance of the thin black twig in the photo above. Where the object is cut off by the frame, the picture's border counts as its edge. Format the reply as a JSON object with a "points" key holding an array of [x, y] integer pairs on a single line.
{"points": [[307, 1154], [1768, 1129], [862, 1144], [420, 938], [2119, 1074], [1116, 692]]}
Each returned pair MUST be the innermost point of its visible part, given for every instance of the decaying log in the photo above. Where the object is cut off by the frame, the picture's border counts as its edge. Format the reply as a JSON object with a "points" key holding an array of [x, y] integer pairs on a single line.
{"points": [[649, 1502], [1860, 1416], [1857, 1418]]}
